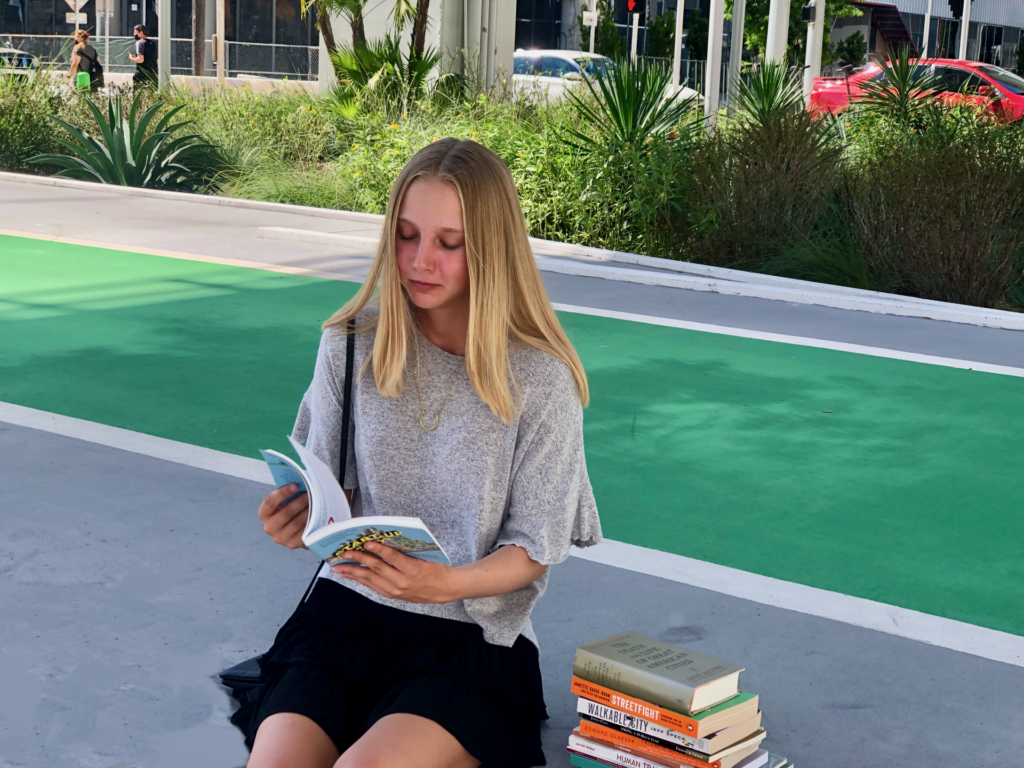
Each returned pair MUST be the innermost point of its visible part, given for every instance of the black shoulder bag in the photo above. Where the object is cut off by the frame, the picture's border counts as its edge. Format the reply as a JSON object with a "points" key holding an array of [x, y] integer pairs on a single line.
{"points": [[246, 678]]}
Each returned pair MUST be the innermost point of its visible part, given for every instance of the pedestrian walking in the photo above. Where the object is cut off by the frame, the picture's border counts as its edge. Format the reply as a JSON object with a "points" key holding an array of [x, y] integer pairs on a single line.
{"points": [[145, 58], [467, 406], [86, 72]]}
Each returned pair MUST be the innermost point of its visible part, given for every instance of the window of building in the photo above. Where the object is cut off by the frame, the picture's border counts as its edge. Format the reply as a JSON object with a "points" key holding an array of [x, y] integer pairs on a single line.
{"points": [[538, 23]]}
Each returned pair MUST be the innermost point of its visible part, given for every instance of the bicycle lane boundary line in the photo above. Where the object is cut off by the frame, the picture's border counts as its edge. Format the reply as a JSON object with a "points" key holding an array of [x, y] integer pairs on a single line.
{"points": [[722, 330], [902, 622]]}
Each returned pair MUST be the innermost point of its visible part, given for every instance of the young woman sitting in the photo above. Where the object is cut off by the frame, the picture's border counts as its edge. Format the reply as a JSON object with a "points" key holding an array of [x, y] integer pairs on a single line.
{"points": [[468, 413]]}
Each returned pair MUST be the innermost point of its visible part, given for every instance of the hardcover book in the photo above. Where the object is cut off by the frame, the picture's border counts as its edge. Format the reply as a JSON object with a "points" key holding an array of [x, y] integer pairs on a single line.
{"points": [[667, 737], [758, 759], [331, 531], [659, 672], [616, 754], [737, 709], [726, 758]]}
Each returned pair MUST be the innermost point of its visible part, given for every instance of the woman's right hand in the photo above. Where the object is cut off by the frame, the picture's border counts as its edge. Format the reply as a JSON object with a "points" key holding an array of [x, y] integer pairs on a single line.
{"points": [[285, 524]]}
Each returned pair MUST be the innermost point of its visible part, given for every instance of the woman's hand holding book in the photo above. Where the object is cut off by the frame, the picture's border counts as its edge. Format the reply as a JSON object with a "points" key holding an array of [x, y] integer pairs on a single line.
{"points": [[285, 522], [392, 574]]}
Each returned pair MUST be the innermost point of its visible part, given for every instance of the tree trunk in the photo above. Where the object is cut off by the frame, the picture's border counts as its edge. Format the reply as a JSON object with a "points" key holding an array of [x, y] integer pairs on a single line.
{"points": [[358, 30], [199, 37], [323, 23], [419, 27]]}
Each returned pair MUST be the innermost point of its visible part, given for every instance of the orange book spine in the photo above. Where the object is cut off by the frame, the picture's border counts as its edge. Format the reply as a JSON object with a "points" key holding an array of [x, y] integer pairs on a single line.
{"points": [[637, 707], [655, 751]]}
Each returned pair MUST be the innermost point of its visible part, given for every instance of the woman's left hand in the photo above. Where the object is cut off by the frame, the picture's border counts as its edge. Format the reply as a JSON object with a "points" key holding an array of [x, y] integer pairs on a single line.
{"points": [[392, 574]]}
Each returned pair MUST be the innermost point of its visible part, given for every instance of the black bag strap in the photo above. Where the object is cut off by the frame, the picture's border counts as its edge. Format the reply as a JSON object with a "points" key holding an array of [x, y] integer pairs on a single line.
{"points": [[346, 425]]}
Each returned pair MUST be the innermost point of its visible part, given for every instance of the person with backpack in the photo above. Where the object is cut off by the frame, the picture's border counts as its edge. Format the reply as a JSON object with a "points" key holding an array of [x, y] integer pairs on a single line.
{"points": [[85, 61], [144, 58]]}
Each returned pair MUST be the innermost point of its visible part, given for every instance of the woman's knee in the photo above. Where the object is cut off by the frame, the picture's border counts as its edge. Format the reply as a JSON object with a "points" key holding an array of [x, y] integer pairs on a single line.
{"points": [[288, 740]]}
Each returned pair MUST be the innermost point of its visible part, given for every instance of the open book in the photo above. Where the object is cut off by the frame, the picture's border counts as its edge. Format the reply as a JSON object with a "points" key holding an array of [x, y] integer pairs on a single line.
{"points": [[331, 531]]}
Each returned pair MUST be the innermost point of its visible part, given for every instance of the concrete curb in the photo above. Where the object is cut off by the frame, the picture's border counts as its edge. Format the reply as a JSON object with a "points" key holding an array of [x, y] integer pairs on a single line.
{"points": [[714, 281], [597, 263]]}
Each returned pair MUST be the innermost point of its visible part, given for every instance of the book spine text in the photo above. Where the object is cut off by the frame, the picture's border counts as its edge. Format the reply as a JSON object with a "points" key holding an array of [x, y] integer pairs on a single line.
{"points": [[602, 713], [634, 706], [604, 733]]}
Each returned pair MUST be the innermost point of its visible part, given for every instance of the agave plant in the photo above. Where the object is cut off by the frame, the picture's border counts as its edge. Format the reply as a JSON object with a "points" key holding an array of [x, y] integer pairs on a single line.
{"points": [[905, 91], [127, 153], [627, 104]]}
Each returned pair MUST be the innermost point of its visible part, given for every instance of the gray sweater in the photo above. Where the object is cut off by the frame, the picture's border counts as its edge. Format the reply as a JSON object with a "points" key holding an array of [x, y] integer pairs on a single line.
{"points": [[477, 483]]}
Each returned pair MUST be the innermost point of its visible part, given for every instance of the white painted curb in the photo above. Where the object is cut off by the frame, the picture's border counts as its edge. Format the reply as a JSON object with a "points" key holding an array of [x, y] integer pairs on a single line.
{"points": [[658, 272]]}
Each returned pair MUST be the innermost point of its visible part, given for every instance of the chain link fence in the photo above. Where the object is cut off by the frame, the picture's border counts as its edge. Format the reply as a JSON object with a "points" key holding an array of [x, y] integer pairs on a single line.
{"points": [[295, 62]]}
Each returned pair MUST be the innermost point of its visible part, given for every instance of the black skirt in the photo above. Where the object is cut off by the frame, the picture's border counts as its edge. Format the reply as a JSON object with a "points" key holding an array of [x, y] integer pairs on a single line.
{"points": [[345, 662]]}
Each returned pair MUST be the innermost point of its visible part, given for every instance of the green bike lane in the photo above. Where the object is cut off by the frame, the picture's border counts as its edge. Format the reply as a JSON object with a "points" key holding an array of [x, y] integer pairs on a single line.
{"points": [[883, 479]]}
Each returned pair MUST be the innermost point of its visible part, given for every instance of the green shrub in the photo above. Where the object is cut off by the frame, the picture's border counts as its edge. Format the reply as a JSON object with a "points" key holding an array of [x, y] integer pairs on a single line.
{"points": [[938, 212], [25, 128], [763, 184]]}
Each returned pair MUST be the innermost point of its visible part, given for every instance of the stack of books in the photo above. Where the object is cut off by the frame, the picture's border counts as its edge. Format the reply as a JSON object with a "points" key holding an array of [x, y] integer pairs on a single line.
{"points": [[649, 704]]}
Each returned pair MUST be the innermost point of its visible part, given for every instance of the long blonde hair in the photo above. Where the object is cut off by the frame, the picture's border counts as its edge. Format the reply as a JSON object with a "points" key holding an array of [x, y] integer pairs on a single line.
{"points": [[506, 294]]}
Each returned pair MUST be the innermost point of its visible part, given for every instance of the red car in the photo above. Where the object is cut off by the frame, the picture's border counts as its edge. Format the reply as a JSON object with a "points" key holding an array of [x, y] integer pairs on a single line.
{"points": [[986, 85]]}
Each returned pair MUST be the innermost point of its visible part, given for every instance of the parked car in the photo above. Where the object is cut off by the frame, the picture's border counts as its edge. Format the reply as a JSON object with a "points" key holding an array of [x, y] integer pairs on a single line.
{"points": [[15, 62], [987, 85], [550, 72]]}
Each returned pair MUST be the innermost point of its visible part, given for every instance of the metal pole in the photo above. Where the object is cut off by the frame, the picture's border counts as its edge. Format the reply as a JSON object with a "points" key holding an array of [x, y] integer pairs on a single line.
{"points": [[220, 43], [739, 13], [106, 28], [815, 38], [593, 27], [965, 29], [927, 29], [713, 68], [163, 50], [677, 53], [636, 33], [778, 31]]}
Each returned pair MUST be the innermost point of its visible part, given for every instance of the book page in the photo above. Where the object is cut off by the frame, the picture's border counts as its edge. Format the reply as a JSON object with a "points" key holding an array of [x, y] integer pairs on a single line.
{"points": [[285, 471], [327, 501]]}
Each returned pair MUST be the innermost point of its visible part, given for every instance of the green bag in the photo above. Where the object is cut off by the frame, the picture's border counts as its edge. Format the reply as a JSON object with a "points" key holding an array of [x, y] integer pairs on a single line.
{"points": [[82, 81]]}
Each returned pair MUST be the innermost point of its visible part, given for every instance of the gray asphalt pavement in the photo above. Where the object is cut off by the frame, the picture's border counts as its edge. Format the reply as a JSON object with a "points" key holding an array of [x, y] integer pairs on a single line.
{"points": [[127, 582]]}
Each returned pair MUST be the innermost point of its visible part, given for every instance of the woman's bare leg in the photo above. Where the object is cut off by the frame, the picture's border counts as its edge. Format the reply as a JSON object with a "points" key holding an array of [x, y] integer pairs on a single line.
{"points": [[287, 740], [406, 741]]}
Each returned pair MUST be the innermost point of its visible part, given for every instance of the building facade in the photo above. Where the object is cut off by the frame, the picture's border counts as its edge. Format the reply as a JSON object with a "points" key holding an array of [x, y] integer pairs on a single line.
{"points": [[248, 21], [994, 35]]}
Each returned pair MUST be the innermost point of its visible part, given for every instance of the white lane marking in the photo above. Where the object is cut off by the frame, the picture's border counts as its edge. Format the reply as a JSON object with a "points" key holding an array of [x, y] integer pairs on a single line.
{"points": [[136, 442], [934, 630], [890, 619], [802, 341]]}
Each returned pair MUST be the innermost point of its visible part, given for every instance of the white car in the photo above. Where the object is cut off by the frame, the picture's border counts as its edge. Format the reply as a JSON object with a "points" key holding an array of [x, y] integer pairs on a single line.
{"points": [[15, 62], [550, 72]]}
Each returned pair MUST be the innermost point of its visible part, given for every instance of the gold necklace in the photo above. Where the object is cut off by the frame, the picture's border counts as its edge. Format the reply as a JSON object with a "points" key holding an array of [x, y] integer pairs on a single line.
{"points": [[419, 397]]}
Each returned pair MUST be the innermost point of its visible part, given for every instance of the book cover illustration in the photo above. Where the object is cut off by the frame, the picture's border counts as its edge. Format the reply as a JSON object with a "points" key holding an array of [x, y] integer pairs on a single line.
{"points": [[407, 539]]}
